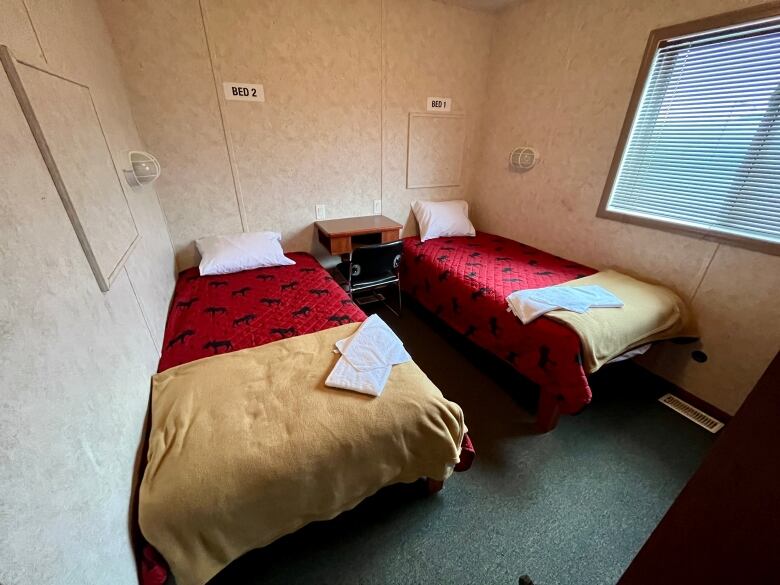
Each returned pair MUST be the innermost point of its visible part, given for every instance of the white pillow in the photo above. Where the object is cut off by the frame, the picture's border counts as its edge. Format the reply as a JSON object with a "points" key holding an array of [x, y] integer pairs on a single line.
{"points": [[439, 219], [226, 254]]}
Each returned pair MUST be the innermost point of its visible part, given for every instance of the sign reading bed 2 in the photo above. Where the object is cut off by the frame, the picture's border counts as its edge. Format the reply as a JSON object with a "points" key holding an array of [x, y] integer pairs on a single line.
{"points": [[66, 127], [435, 152]]}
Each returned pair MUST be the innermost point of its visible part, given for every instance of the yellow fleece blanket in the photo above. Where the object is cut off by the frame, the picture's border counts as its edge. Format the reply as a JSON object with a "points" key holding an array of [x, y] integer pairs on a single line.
{"points": [[650, 313], [249, 446]]}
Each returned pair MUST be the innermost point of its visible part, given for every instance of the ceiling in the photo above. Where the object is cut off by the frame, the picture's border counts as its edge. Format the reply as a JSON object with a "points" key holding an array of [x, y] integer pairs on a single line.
{"points": [[485, 5]]}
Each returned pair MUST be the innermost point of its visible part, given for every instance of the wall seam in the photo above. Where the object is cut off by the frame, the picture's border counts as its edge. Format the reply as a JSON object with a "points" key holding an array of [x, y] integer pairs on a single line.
{"points": [[474, 187], [35, 31], [382, 104], [229, 146], [164, 217], [143, 312], [704, 273], [130, 104], [154, 189]]}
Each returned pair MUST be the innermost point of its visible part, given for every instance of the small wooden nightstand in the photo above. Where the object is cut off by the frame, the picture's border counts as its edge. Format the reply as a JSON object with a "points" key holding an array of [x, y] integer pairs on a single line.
{"points": [[341, 236]]}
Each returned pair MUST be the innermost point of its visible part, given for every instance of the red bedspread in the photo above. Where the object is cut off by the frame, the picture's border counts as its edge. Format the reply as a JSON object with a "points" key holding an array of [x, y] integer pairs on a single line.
{"points": [[465, 282], [217, 314]]}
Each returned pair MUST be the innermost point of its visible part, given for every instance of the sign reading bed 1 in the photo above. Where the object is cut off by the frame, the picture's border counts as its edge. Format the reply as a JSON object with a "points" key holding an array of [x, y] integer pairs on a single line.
{"points": [[435, 151], [67, 130], [439, 104]]}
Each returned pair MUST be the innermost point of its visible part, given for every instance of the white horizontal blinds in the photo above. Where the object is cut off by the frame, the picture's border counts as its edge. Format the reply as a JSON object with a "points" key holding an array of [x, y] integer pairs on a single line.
{"points": [[704, 149]]}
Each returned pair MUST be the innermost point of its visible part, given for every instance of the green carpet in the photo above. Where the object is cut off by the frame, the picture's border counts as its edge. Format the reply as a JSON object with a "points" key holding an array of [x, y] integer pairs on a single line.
{"points": [[569, 507]]}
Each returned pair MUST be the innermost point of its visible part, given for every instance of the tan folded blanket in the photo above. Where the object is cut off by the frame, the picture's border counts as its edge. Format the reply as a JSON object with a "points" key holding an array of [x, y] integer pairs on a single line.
{"points": [[249, 446], [650, 313]]}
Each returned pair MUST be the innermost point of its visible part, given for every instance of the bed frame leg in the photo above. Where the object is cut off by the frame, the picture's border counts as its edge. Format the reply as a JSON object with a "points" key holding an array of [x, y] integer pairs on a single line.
{"points": [[434, 485], [548, 413]]}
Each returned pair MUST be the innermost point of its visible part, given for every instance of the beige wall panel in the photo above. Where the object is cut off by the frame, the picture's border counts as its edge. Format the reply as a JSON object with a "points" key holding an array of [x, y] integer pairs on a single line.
{"points": [[16, 30], [77, 44], [65, 114], [430, 49], [175, 105], [435, 157], [740, 325], [561, 76], [75, 369], [316, 139]]}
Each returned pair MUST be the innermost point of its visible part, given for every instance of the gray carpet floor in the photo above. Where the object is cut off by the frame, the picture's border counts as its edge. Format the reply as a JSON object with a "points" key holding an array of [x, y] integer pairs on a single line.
{"points": [[568, 507]]}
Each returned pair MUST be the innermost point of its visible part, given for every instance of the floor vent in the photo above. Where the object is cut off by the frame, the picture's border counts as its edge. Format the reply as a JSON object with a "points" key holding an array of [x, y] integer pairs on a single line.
{"points": [[713, 425]]}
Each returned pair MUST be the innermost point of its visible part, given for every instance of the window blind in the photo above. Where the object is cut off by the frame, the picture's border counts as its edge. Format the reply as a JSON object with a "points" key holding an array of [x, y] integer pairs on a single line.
{"points": [[704, 147]]}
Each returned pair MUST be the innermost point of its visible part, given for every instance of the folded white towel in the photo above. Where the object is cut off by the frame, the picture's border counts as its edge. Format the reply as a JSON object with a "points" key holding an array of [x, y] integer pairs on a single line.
{"points": [[346, 377], [527, 305], [372, 345], [367, 357]]}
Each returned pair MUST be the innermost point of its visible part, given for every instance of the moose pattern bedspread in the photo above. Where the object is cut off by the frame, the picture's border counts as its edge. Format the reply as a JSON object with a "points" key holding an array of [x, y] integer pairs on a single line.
{"points": [[465, 281], [211, 315]]}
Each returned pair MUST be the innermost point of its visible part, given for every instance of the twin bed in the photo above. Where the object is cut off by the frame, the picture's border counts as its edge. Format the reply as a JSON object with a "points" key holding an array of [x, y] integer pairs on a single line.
{"points": [[465, 281], [248, 444]]}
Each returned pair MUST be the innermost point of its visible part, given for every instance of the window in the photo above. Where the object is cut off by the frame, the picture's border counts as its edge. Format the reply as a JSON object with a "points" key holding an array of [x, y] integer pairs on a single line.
{"points": [[700, 147]]}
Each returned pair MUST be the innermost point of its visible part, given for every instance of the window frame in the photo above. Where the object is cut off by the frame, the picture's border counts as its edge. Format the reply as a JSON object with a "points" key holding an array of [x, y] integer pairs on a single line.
{"points": [[658, 36]]}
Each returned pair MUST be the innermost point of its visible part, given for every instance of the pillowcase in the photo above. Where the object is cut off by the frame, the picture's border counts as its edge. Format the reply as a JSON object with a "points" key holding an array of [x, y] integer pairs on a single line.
{"points": [[439, 219], [226, 254]]}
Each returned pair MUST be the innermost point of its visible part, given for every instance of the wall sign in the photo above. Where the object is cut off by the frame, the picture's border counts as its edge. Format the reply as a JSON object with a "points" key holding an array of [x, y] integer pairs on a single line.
{"points": [[244, 92], [439, 104]]}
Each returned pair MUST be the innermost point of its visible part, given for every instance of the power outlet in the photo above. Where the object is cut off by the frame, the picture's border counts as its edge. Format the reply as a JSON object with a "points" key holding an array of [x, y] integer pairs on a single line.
{"points": [[377, 207], [319, 211]]}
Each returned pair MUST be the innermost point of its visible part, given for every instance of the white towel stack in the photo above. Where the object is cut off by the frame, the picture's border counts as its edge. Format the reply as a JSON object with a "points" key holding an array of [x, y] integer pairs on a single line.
{"points": [[367, 357], [527, 305]]}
